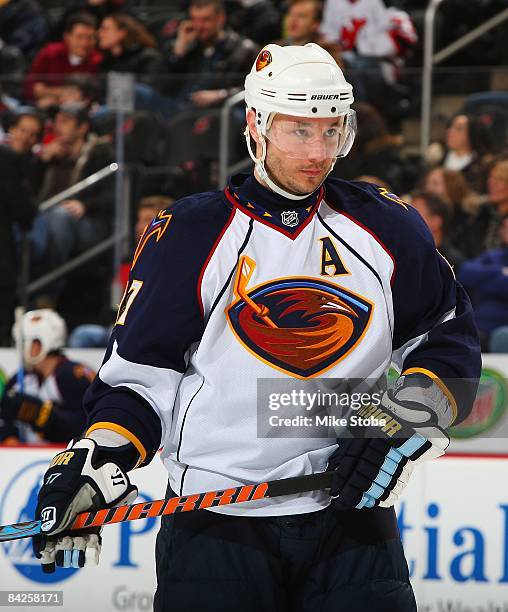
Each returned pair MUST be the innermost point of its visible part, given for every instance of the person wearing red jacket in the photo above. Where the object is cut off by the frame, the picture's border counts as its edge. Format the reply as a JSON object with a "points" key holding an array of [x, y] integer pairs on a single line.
{"points": [[76, 53]]}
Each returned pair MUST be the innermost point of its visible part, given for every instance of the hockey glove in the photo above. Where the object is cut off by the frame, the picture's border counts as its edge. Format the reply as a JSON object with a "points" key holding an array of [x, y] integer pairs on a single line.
{"points": [[373, 468], [26, 408], [83, 477]]}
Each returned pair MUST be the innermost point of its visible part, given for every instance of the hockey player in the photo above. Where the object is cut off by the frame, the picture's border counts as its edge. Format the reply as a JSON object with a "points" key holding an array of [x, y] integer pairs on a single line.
{"points": [[45, 403], [285, 275]]}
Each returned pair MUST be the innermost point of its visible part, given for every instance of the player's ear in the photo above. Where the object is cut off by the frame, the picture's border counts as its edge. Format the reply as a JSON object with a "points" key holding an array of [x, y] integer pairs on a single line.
{"points": [[250, 116]]}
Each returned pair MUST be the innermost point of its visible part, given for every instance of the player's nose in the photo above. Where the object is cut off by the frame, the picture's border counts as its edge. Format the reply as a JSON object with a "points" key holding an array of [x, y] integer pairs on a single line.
{"points": [[317, 150]]}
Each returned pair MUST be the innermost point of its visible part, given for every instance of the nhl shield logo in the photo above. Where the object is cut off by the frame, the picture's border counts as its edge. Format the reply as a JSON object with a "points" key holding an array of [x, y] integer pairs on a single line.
{"points": [[290, 218], [300, 326]]}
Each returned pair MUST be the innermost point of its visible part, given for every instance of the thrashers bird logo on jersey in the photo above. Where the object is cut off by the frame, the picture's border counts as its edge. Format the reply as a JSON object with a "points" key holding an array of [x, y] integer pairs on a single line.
{"points": [[301, 326]]}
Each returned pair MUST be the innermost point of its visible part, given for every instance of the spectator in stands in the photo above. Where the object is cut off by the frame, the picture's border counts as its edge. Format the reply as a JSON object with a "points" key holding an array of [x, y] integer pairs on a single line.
{"points": [[486, 280], [129, 47], [469, 150], [90, 335], [24, 132], [437, 215], [368, 27], [378, 153], [374, 40], [49, 403], [99, 9], [9, 106], [497, 187], [23, 135], [12, 69], [19, 176], [80, 89], [54, 62], [482, 230], [207, 61], [76, 224], [23, 25], [302, 23], [258, 20], [452, 187], [468, 216]]}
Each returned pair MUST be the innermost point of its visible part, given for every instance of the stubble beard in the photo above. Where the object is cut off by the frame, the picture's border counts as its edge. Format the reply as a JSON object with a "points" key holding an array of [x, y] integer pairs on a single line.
{"points": [[297, 187]]}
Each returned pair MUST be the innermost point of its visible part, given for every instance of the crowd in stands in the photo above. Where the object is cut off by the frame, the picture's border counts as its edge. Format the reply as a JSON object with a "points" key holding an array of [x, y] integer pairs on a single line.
{"points": [[56, 129]]}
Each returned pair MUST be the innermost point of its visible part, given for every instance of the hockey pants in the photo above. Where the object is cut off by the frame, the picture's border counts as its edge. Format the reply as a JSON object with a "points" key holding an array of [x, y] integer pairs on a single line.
{"points": [[325, 561]]}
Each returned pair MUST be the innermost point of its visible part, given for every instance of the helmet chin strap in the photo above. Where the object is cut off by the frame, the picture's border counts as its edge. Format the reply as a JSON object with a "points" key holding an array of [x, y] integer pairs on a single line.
{"points": [[263, 174]]}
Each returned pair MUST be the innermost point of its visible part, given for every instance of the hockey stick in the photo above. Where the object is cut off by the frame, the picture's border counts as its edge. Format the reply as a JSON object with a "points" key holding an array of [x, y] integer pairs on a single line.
{"points": [[185, 503]]}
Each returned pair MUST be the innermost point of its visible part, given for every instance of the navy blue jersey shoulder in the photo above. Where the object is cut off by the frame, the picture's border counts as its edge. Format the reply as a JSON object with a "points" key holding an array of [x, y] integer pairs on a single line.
{"points": [[396, 224], [161, 302], [431, 309], [201, 206]]}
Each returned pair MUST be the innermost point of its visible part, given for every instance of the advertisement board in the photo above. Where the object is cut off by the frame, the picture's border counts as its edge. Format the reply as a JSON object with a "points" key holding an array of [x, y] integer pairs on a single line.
{"points": [[453, 519]]}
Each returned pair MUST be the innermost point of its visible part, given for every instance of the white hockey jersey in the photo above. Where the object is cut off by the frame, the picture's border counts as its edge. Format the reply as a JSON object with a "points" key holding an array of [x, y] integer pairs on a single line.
{"points": [[230, 288]]}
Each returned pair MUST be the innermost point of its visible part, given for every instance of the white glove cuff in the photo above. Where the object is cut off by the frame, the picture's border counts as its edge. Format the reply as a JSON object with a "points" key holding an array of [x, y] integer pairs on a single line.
{"points": [[430, 396], [108, 437]]}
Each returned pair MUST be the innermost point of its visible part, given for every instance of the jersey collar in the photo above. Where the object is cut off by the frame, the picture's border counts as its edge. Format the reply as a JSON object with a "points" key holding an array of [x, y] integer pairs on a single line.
{"points": [[286, 216]]}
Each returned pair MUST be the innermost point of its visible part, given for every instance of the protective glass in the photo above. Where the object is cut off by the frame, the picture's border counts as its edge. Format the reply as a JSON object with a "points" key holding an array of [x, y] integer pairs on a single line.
{"points": [[308, 138]]}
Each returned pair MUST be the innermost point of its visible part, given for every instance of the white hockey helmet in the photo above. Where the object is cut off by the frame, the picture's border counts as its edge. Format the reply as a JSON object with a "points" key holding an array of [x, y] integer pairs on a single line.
{"points": [[300, 81], [44, 325]]}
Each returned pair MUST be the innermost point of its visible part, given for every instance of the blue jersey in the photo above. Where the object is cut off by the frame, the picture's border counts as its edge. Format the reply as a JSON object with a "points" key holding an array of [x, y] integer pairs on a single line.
{"points": [[227, 288], [62, 391]]}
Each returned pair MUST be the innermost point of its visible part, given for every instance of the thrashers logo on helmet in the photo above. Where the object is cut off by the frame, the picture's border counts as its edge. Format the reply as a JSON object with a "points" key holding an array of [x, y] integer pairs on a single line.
{"points": [[264, 58]]}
